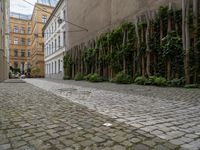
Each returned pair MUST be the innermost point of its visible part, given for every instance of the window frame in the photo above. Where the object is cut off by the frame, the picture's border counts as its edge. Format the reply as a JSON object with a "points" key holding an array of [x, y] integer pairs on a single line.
{"points": [[15, 29], [15, 52], [22, 30], [16, 41], [44, 19], [23, 41], [23, 52]]}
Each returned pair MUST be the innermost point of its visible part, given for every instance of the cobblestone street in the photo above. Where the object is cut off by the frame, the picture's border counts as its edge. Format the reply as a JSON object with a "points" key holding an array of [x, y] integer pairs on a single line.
{"points": [[31, 118], [34, 119], [172, 114], [100, 75]]}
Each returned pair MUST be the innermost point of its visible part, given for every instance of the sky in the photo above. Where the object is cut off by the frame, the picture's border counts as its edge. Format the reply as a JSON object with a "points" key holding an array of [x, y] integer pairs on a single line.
{"points": [[20, 6]]}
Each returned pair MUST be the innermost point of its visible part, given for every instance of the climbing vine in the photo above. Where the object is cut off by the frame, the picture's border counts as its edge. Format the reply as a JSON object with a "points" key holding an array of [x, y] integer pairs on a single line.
{"points": [[152, 45], [67, 65]]}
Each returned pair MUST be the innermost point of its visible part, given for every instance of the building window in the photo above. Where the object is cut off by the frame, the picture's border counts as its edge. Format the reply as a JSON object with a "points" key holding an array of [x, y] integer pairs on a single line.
{"points": [[52, 68], [52, 47], [29, 42], [55, 25], [29, 53], [58, 17], [49, 48], [15, 40], [44, 19], [47, 34], [59, 41], [15, 64], [55, 44], [15, 29], [23, 41], [55, 67], [64, 38], [22, 30], [22, 53], [64, 14], [15, 53], [58, 65], [29, 30], [49, 68]]}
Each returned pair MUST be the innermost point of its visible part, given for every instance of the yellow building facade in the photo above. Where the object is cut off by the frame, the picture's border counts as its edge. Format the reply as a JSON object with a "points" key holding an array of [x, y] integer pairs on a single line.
{"points": [[26, 40], [40, 15], [20, 42]]}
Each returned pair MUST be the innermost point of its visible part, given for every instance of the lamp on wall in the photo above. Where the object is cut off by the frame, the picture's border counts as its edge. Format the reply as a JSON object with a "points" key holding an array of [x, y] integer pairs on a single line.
{"points": [[60, 20]]}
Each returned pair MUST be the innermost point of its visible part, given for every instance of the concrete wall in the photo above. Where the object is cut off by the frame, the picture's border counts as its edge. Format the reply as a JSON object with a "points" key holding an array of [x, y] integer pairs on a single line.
{"points": [[91, 14], [4, 39], [130, 8], [100, 15], [1, 41]]}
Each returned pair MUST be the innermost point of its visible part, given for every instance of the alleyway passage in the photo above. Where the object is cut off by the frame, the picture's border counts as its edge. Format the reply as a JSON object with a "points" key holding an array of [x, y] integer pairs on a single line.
{"points": [[34, 119], [172, 114]]}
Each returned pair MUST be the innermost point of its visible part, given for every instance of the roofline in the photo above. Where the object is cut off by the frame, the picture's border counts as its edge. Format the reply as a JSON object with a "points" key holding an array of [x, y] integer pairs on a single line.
{"points": [[20, 19], [44, 5], [20, 14], [53, 13], [12, 12], [41, 5]]}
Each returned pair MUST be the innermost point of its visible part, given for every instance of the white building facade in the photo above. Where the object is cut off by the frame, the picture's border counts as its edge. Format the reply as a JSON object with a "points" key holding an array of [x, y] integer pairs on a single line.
{"points": [[55, 42]]}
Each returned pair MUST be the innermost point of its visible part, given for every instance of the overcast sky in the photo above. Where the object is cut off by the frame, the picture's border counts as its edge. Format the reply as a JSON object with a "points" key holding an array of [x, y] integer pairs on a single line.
{"points": [[20, 6]]}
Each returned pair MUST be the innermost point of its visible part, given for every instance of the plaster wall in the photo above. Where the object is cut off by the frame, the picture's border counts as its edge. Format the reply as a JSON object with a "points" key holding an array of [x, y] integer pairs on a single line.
{"points": [[101, 15]]}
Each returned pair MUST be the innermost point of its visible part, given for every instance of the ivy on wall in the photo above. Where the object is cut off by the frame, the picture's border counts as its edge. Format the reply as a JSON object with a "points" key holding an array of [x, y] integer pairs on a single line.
{"points": [[150, 46]]}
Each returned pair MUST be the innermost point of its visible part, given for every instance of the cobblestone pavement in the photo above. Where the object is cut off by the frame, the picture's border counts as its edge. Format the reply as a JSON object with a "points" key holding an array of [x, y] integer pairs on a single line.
{"points": [[172, 114], [34, 119]]}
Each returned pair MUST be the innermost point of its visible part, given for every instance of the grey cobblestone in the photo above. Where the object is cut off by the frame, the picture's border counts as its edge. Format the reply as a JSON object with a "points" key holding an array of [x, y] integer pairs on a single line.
{"points": [[141, 147], [177, 142], [33, 119], [161, 147], [5, 146], [118, 147], [168, 113]]}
